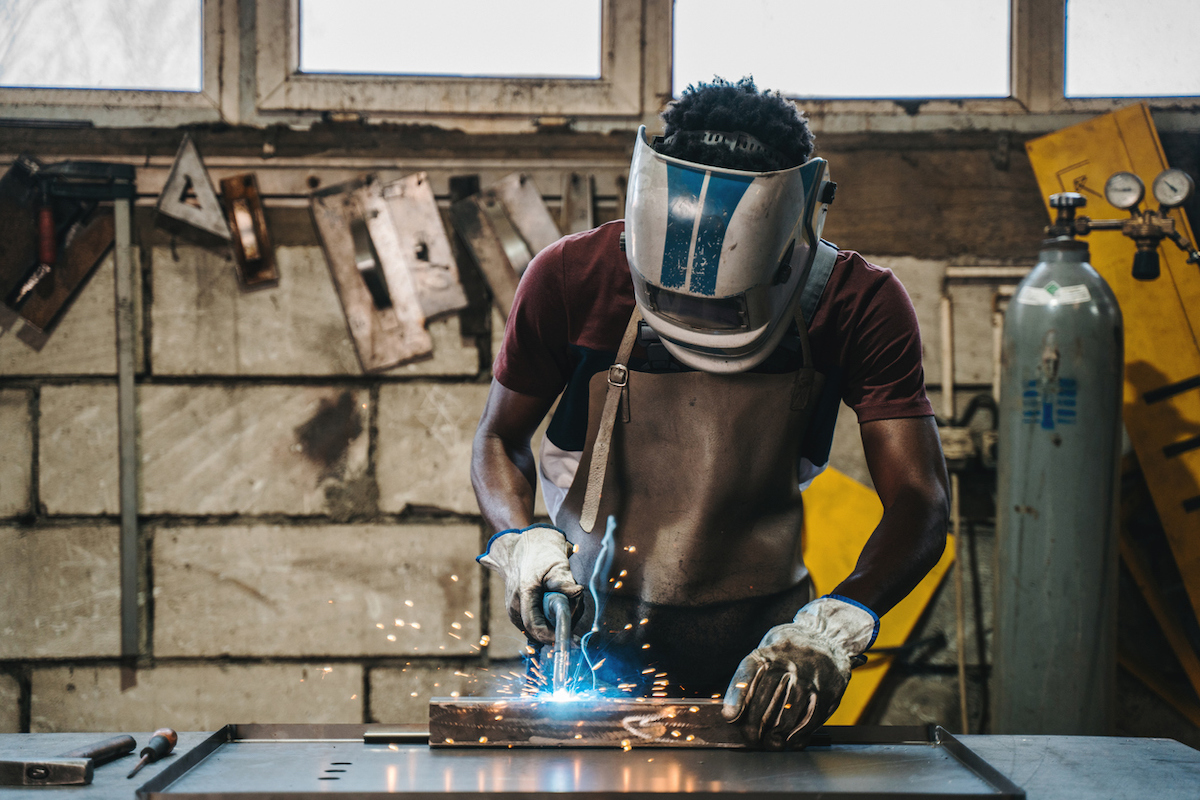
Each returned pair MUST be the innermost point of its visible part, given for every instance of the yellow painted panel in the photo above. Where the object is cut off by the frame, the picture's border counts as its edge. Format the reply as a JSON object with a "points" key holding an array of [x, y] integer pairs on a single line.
{"points": [[840, 514], [1162, 317]]}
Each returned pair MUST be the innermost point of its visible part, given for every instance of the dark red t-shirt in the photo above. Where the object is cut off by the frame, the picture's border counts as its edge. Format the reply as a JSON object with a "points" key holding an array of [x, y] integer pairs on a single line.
{"points": [[574, 302]]}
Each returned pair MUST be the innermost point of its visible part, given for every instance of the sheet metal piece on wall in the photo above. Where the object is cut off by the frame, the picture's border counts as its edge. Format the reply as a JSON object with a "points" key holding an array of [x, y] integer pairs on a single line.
{"points": [[423, 245], [188, 195], [383, 336], [527, 211], [578, 206], [85, 248], [511, 240], [252, 248], [475, 228]]}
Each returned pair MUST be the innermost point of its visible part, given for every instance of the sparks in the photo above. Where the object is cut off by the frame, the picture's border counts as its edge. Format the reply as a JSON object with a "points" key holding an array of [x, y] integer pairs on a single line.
{"points": [[391, 637], [454, 577], [456, 625], [416, 625], [408, 603], [379, 625], [468, 615]]}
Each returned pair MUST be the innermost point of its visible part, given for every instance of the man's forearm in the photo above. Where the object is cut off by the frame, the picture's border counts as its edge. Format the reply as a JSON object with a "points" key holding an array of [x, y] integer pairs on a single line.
{"points": [[503, 478], [905, 545]]}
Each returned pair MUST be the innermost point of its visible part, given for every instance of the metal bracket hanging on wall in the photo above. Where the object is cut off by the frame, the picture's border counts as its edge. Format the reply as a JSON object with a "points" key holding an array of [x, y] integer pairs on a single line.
{"points": [[578, 209], [385, 319], [189, 196], [423, 246], [252, 248], [527, 211]]}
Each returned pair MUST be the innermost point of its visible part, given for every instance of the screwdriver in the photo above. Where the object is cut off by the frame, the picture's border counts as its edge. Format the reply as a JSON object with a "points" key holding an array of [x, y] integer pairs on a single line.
{"points": [[162, 742]]}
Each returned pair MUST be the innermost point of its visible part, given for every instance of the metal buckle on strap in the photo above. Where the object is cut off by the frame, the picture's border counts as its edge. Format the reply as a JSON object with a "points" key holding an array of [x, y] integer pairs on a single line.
{"points": [[618, 376]]}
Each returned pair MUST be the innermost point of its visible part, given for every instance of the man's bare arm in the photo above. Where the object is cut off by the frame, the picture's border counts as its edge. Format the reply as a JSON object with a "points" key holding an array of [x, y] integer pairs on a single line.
{"points": [[503, 471], [909, 471]]}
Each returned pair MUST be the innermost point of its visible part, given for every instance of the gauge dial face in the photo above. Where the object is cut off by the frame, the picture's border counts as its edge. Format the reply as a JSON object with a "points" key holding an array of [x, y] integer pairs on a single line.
{"points": [[1172, 187], [1124, 190]]}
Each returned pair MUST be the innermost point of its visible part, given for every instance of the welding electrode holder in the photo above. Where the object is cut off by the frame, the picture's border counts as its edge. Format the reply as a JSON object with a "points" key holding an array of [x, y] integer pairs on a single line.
{"points": [[557, 609]]}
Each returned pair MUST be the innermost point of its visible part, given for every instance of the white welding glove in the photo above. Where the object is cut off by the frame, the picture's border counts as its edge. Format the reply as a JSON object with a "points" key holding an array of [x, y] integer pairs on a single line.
{"points": [[532, 561], [795, 678]]}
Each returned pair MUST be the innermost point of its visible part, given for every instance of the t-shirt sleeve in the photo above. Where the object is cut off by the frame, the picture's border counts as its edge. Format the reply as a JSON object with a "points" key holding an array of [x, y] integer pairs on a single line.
{"points": [[534, 354], [885, 378]]}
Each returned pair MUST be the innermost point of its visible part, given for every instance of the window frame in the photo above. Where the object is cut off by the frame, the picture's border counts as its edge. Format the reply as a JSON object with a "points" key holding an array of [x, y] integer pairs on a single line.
{"points": [[280, 86], [150, 106]]}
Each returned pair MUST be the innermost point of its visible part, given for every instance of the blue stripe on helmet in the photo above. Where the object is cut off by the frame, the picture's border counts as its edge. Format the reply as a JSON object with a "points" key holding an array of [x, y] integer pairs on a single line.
{"points": [[723, 195], [683, 197]]}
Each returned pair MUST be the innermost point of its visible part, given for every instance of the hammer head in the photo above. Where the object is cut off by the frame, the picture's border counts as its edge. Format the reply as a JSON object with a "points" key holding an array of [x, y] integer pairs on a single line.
{"points": [[46, 772]]}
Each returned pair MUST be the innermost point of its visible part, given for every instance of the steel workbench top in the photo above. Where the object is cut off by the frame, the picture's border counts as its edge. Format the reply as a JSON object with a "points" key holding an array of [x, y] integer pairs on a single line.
{"points": [[1047, 767]]}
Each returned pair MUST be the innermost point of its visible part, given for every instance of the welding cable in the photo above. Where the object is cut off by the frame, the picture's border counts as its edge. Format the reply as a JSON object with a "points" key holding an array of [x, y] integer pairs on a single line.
{"points": [[600, 570]]}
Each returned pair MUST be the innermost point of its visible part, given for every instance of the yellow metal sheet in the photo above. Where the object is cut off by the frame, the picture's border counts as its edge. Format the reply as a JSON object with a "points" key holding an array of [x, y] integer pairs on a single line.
{"points": [[1162, 317], [840, 514]]}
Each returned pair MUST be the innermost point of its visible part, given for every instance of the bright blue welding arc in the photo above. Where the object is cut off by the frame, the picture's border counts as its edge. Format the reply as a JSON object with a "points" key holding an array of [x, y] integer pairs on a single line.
{"points": [[600, 570]]}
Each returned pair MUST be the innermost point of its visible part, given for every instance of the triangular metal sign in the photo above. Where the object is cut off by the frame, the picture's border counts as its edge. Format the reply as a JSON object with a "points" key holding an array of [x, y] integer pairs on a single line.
{"points": [[189, 196]]}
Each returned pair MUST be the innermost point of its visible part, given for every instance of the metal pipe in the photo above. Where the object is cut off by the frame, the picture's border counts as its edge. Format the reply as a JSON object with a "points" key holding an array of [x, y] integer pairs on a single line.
{"points": [[948, 410], [127, 425]]}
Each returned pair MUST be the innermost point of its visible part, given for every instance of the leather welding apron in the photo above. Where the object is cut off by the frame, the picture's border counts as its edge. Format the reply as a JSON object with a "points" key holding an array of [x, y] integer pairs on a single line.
{"points": [[701, 477]]}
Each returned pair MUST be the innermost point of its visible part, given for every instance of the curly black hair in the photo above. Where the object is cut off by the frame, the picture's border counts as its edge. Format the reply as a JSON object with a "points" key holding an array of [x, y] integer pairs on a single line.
{"points": [[736, 107]]}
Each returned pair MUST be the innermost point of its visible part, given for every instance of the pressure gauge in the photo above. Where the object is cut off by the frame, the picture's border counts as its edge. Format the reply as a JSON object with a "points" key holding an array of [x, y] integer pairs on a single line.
{"points": [[1124, 190], [1172, 187]]}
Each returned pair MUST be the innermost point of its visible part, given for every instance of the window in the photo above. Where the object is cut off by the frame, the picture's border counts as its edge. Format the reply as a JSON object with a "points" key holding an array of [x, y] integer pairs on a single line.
{"points": [[101, 44], [479, 38], [863, 49], [1122, 49], [601, 74]]}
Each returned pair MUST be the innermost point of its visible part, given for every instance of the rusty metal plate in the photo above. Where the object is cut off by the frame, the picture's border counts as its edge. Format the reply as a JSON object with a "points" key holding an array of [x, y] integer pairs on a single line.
{"points": [[252, 248], [423, 246], [383, 336], [82, 254], [527, 211], [474, 227]]}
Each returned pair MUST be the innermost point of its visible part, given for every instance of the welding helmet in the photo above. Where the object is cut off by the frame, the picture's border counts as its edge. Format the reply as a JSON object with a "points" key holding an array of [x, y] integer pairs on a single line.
{"points": [[718, 256]]}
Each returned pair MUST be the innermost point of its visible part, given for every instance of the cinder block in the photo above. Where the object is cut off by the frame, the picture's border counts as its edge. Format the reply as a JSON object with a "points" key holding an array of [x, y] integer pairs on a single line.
{"points": [[973, 336], [206, 324], [401, 694], [78, 463], [424, 448], [379, 590], [254, 450], [16, 466], [10, 704], [83, 342], [194, 698], [60, 592]]}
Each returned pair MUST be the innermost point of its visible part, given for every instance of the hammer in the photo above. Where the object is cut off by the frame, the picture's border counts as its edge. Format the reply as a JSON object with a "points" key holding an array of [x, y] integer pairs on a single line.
{"points": [[74, 767]]}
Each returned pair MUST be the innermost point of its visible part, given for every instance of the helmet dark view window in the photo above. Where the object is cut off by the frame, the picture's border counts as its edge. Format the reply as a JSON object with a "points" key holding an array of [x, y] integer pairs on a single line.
{"points": [[720, 314]]}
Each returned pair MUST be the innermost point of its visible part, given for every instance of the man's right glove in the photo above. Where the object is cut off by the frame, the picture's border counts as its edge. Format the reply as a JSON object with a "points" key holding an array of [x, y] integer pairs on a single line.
{"points": [[532, 561], [795, 678]]}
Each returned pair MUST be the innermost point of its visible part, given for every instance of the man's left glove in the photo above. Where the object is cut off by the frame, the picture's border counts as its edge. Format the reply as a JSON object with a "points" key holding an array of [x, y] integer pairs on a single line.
{"points": [[793, 681], [532, 561]]}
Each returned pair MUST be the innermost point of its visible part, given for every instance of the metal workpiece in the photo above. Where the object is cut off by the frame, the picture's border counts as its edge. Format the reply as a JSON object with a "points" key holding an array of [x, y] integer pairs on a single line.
{"points": [[1059, 449], [294, 762]]}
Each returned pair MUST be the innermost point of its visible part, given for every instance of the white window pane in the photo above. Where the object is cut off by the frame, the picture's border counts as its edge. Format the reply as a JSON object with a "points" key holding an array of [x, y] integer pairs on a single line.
{"points": [[484, 38], [101, 44], [1115, 48], [847, 48]]}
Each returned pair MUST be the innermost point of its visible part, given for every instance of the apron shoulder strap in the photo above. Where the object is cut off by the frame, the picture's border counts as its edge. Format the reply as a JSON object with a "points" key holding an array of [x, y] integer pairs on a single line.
{"points": [[810, 297], [618, 389]]}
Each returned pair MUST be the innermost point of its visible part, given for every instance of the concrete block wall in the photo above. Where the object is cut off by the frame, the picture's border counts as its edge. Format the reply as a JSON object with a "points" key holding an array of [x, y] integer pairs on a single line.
{"points": [[307, 531]]}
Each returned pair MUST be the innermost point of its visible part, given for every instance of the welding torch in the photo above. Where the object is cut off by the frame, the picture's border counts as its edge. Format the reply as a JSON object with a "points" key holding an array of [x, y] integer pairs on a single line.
{"points": [[557, 609]]}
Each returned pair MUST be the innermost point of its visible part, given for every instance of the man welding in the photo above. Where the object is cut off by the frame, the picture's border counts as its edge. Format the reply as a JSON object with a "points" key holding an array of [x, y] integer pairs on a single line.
{"points": [[698, 350]]}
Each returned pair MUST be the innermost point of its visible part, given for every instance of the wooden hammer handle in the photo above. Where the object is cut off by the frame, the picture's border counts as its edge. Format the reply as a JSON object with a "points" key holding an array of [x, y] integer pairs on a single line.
{"points": [[102, 752]]}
